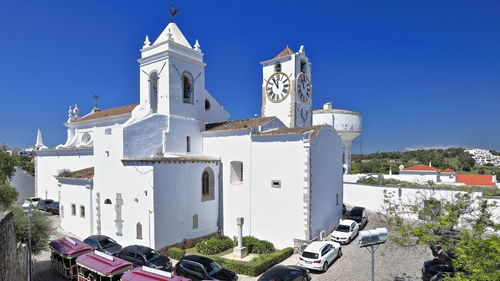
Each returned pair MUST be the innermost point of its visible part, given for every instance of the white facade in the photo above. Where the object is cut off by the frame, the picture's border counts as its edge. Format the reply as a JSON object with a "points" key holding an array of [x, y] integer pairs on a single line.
{"points": [[172, 167]]}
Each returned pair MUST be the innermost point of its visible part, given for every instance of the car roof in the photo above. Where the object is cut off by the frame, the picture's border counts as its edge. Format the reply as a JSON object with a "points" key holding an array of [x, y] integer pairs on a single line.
{"points": [[277, 270], [137, 249], [346, 222], [315, 246], [357, 209], [198, 259], [97, 237]]}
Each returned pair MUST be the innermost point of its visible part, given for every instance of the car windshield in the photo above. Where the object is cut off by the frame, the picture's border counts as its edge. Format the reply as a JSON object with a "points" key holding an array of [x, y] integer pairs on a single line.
{"points": [[107, 242], [342, 228], [151, 255], [310, 255], [213, 268], [35, 199]]}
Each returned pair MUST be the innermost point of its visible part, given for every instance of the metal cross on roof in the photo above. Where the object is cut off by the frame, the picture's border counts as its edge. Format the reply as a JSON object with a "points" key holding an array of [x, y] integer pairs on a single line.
{"points": [[96, 97]]}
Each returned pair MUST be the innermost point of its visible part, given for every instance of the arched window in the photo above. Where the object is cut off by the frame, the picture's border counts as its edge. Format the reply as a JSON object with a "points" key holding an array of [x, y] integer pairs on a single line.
{"points": [[187, 88], [138, 229], [277, 67], [207, 185], [303, 65], [207, 105], [153, 91], [86, 139], [107, 202]]}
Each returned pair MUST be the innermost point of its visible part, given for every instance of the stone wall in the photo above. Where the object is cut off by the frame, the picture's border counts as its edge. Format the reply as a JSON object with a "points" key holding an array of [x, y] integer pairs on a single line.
{"points": [[14, 258]]}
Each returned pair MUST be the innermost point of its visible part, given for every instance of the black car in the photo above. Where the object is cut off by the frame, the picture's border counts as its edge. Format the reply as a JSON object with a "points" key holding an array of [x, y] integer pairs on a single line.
{"points": [[435, 267], [55, 208], [142, 255], [359, 215], [285, 273], [199, 268], [45, 205], [103, 243], [344, 210]]}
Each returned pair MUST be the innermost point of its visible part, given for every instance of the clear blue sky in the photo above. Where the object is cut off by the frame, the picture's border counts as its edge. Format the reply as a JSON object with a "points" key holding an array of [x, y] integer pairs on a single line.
{"points": [[423, 73]]}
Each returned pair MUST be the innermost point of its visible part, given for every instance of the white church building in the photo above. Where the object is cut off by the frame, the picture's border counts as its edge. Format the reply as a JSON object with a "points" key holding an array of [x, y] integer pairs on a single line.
{"points": [[172, 167]]}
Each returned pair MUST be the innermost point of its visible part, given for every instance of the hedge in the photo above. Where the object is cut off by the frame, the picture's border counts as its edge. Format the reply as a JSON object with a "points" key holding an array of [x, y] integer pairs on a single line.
{"points": [[257, 246], [256, 266], [215, 245], [176, 253]]}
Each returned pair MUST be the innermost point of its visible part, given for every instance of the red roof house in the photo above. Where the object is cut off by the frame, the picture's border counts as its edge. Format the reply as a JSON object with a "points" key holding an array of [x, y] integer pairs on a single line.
{"points": [[421, 167], [487, 180]]}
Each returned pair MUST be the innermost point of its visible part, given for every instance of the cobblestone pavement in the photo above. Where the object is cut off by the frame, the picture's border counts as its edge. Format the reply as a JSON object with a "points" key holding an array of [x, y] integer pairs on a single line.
{"points": [[392, 263]]}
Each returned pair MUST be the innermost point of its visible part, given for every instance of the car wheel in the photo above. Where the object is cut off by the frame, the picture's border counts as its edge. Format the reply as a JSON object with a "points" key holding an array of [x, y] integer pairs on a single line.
{"points": [[325, 266], [340, 253]]}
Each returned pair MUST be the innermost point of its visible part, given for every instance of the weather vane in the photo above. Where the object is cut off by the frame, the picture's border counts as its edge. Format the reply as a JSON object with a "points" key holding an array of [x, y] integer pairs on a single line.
{"points": [[173, 12], [96, 97]]}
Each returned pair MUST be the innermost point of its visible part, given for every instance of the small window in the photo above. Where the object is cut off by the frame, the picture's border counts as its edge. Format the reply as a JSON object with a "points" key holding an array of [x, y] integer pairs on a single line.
{"points": [[153, 91], [107, 202], [187, 88], [188, 144], [337, 199], [207, 185], [73, 209], [207, 105], [82, 211], [138, 230], [276, 183], [277, 67], [303, 66], [195, 221], [108, 131], [236, 172]]}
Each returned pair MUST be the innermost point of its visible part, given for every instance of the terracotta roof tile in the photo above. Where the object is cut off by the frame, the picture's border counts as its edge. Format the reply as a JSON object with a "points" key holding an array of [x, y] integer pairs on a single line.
{"points": [[420, 167], [448, 171], [294, 131], [476, 179], [108, 112], [86, 173], [243, 124], [286, 52]]}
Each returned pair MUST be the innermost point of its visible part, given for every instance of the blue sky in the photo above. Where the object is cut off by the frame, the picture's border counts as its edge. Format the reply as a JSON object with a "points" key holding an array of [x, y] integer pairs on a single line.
{"points": [[423, 73]]}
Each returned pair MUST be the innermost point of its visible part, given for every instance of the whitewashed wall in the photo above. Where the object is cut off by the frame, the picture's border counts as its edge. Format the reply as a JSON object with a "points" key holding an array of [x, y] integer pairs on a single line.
{"points": [[24, 183], [326, 182], [49, 163], [79, 193], [278, 213], [177, 198]]}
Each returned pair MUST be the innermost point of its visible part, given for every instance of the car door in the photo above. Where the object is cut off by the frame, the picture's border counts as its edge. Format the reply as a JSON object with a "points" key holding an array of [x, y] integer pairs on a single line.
{"points": [[140, 260], [353, 230], [327, 253], [193, 271]]}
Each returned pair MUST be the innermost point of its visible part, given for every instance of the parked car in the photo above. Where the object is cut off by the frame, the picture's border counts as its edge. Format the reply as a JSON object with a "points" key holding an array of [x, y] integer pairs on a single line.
{"points": [[319, 255], [285, 273], [45, 205], [359, 215], [142, 255], [31, 200], [435, 266], [55, 208], [345, 231], [103, 243], [199, 268]]}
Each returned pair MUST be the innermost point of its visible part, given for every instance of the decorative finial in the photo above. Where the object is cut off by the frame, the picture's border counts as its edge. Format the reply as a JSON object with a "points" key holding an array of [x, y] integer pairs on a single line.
{"points": [[197, 46], [301, 49], [146, 42], [173, 12], [70, 114], [76, 111], [39, 141], [169, 35]]}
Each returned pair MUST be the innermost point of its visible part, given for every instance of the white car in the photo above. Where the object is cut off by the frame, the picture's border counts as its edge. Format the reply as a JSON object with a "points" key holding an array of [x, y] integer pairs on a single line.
{"points": [[319, 255], [31, 200], [345, 232]]}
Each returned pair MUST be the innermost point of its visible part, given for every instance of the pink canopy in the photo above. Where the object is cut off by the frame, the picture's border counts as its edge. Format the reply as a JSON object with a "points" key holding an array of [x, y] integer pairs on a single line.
{"points": [[69, 247], [103, 265], [139, 274]]}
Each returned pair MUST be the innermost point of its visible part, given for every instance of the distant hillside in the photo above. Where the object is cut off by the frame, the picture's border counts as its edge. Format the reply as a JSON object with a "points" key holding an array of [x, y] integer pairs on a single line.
{"points": [[454, 158]]}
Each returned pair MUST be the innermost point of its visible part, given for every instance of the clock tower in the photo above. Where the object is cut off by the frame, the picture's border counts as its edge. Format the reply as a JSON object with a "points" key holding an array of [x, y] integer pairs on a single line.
{"points": [[287, 88]]}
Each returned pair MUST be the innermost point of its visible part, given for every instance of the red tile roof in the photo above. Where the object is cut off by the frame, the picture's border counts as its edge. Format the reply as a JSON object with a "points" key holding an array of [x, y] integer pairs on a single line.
{"points": [[448, 171], [243, 124], [476, 179], [420, 167], [108, 112], [286, 52]]}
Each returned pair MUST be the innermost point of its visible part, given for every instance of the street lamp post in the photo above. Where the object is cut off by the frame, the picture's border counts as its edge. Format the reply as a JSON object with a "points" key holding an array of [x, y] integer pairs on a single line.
{"points": [[369, 239]]}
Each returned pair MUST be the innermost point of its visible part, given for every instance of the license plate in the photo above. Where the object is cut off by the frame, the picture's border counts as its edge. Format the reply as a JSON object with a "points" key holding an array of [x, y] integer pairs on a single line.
{"points": [[308, 262]]}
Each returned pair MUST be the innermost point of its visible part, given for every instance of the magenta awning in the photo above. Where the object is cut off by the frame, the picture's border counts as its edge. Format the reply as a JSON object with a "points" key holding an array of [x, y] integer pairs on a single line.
{"points": [[69, 247], [139, 274], [103, 265]]}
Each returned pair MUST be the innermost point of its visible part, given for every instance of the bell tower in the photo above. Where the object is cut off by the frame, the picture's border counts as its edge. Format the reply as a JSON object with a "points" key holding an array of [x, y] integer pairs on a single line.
{"points": [[287, 88]]}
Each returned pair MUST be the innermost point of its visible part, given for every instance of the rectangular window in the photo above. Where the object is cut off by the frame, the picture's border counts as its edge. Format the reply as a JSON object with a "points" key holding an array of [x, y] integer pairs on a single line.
{"points": [[73, 209], [108, 131], [188, 144], [195, 221], [337, 199], [276, 183], [82, 211], [236, 172]]}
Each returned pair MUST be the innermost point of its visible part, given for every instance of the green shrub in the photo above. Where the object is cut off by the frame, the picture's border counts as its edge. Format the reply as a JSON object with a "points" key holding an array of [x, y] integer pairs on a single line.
{"points": [[215, 245], [263, 247], [256, 266], [250, 242], [176, 253]]}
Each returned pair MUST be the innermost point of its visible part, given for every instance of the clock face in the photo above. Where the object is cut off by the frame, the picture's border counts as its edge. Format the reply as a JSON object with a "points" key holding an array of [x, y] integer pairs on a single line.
{"points": [[278, 87], [303, 87]]}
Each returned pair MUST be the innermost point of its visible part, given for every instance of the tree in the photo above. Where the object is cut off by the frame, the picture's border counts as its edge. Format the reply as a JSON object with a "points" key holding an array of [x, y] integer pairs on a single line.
{"points": [[8, 196], [40, 229], [7, 166], [459, 225]]}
